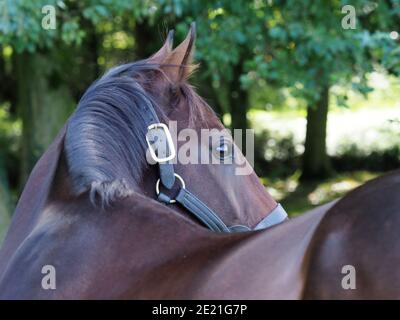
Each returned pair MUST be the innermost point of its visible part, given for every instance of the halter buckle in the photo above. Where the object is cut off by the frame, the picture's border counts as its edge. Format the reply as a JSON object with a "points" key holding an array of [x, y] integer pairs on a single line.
{"points": [[180, 180], [155, 142]]}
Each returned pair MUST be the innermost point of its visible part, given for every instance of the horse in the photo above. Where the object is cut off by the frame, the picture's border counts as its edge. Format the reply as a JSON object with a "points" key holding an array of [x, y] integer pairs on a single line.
{"points": [[89, 217]]}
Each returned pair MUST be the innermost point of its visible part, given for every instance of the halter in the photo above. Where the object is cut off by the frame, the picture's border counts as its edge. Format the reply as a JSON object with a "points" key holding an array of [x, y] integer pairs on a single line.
{"points": [[162, 151]]}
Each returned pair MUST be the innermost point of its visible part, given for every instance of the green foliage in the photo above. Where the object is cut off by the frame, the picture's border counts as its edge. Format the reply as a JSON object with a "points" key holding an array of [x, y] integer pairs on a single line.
{"points": [[277, 153], [266, 97], [20, 24], [305, 46], [10, 131], [383, 154], [296, 44]]}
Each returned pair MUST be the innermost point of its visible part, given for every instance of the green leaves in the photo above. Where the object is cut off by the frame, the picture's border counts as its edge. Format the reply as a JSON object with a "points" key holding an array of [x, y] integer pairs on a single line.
{"points": [[21, 20], [309, 46], [96, 13], [71, 32], [21, 27], [278, 33], [282, 42]]}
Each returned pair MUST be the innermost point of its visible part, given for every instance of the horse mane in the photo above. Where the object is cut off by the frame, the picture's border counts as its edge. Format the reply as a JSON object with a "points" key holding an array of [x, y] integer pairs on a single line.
{"points": [[105, 139]]}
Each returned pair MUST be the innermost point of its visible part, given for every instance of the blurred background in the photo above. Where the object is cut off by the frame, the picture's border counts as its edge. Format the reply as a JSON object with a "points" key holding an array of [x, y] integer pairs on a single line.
{"points": [[321, 90]]}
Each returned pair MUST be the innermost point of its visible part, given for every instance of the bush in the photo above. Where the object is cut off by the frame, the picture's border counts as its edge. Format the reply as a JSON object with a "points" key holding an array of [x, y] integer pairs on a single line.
{"points": [[354, 158], [382, 154], [276, 155]]}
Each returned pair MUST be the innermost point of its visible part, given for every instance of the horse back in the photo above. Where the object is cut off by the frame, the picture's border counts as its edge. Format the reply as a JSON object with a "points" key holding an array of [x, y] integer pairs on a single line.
{"points": [[356, 249]]}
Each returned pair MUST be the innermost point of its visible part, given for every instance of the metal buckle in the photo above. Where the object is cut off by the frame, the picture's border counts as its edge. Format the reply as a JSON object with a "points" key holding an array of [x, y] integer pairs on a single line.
{"points": [[180, 180], [170, 143]]}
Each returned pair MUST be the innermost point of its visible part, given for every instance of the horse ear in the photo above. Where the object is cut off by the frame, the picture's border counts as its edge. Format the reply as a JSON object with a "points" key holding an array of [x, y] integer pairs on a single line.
{"points": [[165, 50], [178, 64]]}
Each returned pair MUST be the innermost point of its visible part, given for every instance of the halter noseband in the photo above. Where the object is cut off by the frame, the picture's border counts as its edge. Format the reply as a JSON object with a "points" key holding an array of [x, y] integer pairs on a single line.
{"points": [[162, 151]]}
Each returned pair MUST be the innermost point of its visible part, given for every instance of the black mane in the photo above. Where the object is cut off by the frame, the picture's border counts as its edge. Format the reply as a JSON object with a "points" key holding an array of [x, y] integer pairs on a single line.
{"points": [[105, 144], [105, 139]]}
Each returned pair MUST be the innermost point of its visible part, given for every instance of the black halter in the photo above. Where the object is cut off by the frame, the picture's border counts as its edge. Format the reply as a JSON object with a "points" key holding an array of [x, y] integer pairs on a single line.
{"points": [[162, 151]]}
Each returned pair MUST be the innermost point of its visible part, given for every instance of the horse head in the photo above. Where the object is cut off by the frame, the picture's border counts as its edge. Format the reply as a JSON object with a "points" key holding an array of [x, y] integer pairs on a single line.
{"points": [[105, 145]]}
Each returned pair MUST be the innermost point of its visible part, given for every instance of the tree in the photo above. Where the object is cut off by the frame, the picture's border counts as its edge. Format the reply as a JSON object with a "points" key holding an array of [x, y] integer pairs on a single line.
{"points": [[52, 66], [307, 50], [229, 32], [229, 35], [5, 199], [9, 130]]}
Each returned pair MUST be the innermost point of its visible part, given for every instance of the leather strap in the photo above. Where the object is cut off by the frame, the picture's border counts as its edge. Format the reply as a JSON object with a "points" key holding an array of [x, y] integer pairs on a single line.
{"points": [[167, 174], [202, 212], [166, 169], [164, 198]]}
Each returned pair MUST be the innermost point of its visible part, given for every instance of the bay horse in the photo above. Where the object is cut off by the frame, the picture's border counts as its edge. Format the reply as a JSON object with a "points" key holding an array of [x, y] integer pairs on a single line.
{"points": [[90, 212]]}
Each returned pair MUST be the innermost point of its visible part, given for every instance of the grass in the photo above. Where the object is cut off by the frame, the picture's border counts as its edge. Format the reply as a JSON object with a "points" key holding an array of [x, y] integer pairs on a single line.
{"points": [[298, 198]]}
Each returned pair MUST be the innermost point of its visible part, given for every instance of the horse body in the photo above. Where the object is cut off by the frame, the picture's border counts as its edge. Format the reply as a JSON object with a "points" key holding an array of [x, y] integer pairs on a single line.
{"points": [[89, 211], [361, 231], [112, 255], [156, 253]]}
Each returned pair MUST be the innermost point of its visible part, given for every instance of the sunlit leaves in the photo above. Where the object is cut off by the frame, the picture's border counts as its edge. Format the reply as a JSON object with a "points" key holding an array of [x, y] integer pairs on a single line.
{"points": [[71, 31], [20, 23], [283, 42], [309, 46]]}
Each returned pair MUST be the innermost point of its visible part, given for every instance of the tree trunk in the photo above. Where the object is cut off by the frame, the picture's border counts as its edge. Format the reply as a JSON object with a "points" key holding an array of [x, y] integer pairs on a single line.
{"points": [[5, 200], [147, 40], [238, 101], [316, 164], [42, 104]]}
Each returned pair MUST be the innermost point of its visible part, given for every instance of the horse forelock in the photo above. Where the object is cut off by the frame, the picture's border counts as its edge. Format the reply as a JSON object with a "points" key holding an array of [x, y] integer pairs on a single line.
{"points": [[105, 144]]}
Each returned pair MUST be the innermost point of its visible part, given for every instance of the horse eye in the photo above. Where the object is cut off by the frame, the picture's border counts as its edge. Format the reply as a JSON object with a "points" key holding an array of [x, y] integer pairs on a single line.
{"points": [[224, 150]]}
